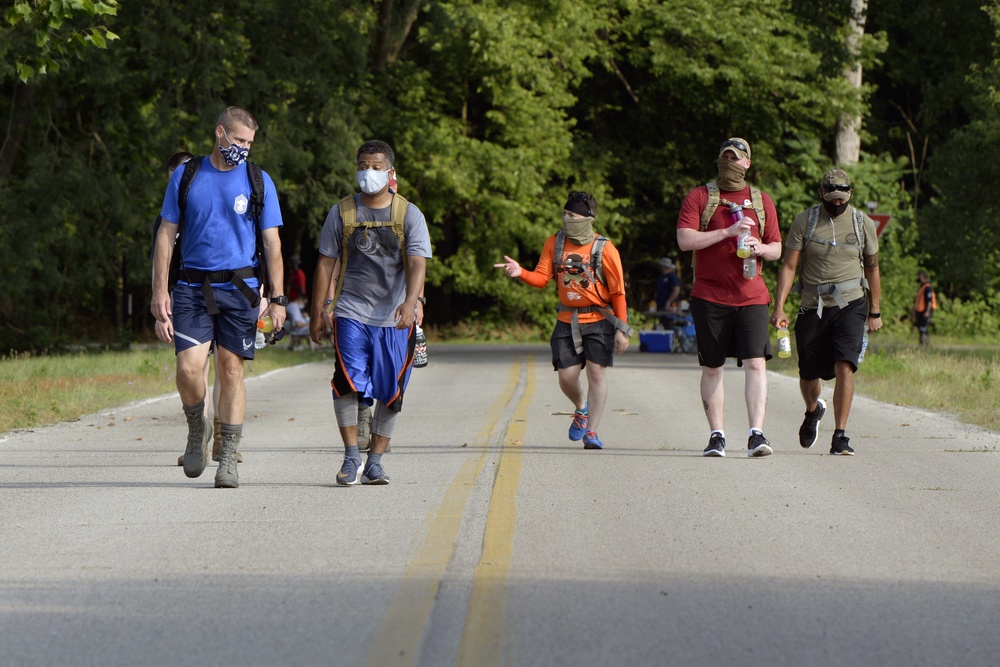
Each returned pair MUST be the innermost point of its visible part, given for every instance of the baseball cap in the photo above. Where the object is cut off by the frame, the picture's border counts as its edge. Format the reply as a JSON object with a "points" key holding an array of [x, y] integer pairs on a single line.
{"points": [[740, 147], [836, 184]]}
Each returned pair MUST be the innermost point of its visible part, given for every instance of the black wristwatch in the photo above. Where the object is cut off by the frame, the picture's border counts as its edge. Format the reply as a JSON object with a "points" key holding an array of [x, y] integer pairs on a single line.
{"points": [[422, 300], [280, 300], [875, 315]]}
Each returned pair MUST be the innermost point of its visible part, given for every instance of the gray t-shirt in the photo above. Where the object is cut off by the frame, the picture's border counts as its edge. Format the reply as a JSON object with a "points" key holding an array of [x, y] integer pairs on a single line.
{"points": [[375, 280]]}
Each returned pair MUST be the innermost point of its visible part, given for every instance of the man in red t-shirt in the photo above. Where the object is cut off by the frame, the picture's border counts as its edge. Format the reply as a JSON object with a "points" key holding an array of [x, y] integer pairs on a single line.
{"points": [[297, 283], [729, 300], [591, 326]]}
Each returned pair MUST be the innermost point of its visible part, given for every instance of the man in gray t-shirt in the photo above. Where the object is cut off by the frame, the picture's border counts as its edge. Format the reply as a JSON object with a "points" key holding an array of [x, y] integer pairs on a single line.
{"points": [[378, 285]]}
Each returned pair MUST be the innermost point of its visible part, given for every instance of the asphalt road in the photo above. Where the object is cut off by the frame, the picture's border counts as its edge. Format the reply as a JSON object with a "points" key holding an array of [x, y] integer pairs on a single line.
{"points": [[498, 541]]}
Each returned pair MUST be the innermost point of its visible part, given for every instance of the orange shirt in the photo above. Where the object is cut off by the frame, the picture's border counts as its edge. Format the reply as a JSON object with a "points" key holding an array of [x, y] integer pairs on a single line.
{"points": [[576, 290]]}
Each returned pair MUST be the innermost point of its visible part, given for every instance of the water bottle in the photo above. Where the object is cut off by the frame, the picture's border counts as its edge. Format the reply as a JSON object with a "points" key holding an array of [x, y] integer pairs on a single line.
{"points": [[864, 345], [784, 341], [259, 342], [265, 324], [743, 240], [420, 350]]}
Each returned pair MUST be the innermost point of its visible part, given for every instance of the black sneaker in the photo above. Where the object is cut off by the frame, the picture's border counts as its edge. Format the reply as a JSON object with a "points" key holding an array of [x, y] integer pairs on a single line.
{"points": [[809, 430], [716, 446], [840, 446], [757, 446]]}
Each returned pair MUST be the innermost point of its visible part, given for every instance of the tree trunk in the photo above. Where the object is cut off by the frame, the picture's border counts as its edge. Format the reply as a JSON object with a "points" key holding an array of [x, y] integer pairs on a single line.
{"points": [[21, 111], [393, 31], [848, 130]]}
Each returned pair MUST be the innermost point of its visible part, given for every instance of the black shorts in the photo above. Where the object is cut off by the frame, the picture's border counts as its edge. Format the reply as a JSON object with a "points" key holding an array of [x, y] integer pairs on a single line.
{"points": [[730, 331], [598, 345], [823, 341]]}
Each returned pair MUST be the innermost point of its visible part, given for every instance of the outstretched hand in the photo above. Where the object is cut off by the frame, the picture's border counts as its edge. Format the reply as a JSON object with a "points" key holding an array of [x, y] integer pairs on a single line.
{"points": [[510, 267]]}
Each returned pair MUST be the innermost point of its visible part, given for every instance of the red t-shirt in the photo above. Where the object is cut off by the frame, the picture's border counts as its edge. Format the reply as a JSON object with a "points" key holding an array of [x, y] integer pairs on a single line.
{"points": [[297, 285], [718, 272], [577, 290]]}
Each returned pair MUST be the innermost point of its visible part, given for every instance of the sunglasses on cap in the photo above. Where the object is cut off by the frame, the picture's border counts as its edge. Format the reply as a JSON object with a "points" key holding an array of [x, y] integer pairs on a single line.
{"points": [[582, 198], [738, 145], [837, 188]]}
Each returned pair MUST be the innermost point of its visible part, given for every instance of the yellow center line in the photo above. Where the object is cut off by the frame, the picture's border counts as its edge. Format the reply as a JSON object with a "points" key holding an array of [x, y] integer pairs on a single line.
{"points": [[483, 636], [403, 628]]}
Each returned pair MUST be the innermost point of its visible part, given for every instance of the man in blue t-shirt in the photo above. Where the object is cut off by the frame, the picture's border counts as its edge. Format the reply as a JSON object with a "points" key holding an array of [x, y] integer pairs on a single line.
{"points": [[218, 291], [374, 330]]}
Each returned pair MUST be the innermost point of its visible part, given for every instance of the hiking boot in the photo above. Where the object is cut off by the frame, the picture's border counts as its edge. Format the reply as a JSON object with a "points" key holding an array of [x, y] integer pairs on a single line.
{"points": [[226, 476], [757, 446], [374, 474], [591, 441], [809, 430], [196, 455], [578, 428], [716, 446], [364, 427], [841, 446], [350, 472], [217, 444]]}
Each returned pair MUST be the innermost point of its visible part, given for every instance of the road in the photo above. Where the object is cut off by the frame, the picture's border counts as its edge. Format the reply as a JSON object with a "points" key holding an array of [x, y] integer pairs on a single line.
{"points": [[498, 541]]}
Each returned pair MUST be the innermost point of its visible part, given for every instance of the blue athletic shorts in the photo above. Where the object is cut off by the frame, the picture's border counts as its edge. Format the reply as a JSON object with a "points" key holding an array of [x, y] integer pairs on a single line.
{"points": [[730, 331], [373, 361], [234, 328]]}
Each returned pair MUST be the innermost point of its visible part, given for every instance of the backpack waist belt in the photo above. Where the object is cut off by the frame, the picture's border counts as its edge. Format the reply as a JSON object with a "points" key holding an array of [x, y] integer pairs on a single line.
{"points": [[206, 278], [608, 314], [834, 290]]}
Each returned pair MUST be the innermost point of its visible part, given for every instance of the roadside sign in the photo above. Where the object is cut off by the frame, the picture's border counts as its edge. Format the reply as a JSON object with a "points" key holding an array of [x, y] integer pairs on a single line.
{"points": [[881, 220]]}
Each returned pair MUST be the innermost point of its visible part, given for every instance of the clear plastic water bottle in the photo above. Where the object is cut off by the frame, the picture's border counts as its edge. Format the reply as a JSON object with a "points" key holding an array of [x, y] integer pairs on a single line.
{"points": [[864, 345], [750, 268], [784, 341], [259, 342], [420, 350]]}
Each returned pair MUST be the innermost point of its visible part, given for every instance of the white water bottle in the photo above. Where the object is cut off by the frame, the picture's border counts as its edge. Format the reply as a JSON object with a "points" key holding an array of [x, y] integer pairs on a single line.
{"points": [[864, 345]]}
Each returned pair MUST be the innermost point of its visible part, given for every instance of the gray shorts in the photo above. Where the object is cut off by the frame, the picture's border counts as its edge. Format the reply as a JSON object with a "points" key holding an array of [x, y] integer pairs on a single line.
{"points": [[598, 345]]}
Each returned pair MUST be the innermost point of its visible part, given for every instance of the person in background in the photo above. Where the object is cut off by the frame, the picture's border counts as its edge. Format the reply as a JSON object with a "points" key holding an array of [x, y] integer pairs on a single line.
{"points": [[728, 305], [924, 305], [592, 322], [297, 281], [668, 286], [297, 323]]}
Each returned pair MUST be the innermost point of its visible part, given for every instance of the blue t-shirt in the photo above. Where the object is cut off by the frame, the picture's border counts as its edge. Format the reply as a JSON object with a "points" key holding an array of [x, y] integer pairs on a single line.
{"points": [[665, 285], [218, 233]]}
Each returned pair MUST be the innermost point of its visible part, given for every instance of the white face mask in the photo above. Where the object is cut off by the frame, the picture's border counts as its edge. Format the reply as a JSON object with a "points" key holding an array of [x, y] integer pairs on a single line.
{"points": [[371, 180]]}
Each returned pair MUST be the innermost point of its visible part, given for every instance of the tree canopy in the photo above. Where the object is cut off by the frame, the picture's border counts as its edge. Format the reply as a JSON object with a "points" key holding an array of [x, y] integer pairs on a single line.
{"points": [[495, 109]]}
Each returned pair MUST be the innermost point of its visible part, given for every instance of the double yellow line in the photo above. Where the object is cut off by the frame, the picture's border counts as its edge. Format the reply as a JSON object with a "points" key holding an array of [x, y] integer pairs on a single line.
{"points": [[399, 640]]}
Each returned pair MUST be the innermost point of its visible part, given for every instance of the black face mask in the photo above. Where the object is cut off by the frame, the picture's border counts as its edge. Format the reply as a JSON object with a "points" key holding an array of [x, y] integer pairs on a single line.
{"points": [[835, 209]]}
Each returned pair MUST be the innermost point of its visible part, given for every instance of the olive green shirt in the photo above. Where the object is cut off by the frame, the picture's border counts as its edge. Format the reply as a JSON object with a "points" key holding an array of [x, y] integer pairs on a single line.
{"points": [[823, 263]]}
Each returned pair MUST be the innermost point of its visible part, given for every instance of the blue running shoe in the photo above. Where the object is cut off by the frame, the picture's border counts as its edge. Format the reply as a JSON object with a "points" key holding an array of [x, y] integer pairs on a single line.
{"points": [[591, 441], [375, 474], [350, 472], [578, 428]]}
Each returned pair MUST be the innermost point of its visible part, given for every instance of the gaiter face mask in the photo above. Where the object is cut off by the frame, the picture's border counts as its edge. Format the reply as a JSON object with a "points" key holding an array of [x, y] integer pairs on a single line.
{"points": [[731, 175], [579, 230]]}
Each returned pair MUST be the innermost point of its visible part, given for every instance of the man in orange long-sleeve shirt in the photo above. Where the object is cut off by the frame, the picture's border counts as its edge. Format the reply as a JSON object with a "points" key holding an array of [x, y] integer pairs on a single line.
{"points": [[592, 312]]}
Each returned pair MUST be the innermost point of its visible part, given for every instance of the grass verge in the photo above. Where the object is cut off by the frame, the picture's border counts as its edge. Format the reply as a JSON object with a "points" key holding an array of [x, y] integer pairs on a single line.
{"points": [[40, 390]]}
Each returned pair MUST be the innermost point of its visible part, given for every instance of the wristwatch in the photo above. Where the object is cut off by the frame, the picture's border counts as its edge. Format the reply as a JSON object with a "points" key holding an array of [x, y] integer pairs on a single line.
{"points": [[422, 300], [280, 300]]}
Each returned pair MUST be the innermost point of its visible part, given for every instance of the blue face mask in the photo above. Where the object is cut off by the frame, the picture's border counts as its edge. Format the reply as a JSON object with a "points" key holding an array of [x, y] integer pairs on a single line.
{"points": [[234, 155]]}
